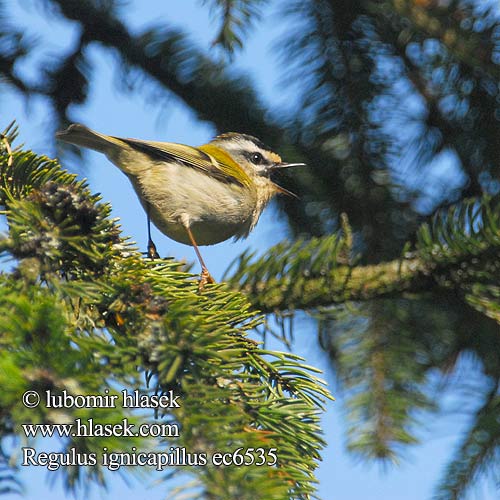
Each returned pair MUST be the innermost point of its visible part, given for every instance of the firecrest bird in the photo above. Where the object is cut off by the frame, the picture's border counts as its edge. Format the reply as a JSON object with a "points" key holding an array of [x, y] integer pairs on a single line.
{"points": [[195, 195]]}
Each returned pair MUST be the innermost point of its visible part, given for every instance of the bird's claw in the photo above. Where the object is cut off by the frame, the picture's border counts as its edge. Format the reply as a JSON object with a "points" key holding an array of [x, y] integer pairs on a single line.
{"points": [[205, 278], [152, 252]]}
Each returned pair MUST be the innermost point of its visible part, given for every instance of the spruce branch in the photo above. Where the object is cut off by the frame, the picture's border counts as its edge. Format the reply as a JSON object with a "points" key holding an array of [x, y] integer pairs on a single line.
{"points": [[309, 275], [478, 453], [84, 311], [456, 256], [238, 17], [457, 250]]}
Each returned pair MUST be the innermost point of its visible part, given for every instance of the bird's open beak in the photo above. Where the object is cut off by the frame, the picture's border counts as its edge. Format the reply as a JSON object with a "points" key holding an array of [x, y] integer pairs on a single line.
{"points": [[279, 166]]}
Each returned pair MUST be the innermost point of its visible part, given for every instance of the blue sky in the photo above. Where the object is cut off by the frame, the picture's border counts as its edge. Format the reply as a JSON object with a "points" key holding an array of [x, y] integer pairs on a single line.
{"points": [[147, 117]]}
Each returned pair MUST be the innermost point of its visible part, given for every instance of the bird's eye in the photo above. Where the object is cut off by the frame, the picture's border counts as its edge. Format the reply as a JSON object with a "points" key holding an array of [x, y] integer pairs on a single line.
{"points": [[257, 158]]}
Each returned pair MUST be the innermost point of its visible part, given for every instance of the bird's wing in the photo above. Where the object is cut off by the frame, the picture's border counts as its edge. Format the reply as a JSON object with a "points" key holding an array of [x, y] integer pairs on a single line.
{"points": [[207, 159]]}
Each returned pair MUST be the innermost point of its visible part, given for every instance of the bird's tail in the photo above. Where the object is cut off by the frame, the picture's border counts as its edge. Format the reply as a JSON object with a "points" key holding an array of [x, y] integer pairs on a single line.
{"points": [[79, 135]]}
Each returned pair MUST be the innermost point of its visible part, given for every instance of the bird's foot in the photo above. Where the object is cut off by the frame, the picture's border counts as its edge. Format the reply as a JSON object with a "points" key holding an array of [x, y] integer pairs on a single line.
{"points": [[152, 252], [205, 278]]}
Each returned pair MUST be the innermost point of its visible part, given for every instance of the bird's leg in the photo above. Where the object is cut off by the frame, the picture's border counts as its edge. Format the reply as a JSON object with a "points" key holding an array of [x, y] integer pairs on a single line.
{"points": [[152, 252], [205, 275]]}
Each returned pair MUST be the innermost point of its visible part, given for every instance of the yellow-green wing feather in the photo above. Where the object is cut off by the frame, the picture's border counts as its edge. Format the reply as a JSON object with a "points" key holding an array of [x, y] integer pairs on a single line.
{"points": [[225, 163], [207, 158]]}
